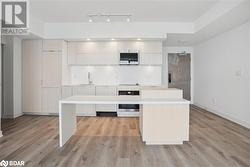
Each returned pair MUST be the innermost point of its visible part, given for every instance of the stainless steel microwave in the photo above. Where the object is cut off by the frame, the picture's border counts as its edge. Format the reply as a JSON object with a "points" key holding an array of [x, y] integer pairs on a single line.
{"points": [[129, 58]]}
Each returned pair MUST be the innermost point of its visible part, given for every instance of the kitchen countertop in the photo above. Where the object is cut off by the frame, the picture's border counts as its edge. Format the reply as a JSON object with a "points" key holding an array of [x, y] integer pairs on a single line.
{"points": [[120, 100]]}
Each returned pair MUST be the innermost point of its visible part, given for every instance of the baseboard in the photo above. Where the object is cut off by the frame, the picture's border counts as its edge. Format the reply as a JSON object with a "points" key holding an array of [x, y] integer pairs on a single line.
{"points": [[1, 133], [12, 116], [40, 113], [226, 116], [56, 114]]}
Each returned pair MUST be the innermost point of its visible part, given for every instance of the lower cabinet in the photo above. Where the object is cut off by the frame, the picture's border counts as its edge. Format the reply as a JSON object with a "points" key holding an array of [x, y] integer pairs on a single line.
{"points": [[50, 100], [85, 110], [67, 91], [106, 91]]}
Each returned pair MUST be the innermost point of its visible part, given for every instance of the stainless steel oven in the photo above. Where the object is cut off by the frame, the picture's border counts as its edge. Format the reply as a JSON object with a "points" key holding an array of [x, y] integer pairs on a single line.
{"points": [[128, 110], [128, 107]]}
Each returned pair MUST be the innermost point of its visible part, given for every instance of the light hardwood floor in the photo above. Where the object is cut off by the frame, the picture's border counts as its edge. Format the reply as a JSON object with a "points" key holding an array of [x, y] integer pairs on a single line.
{"points": [[108, 142]]}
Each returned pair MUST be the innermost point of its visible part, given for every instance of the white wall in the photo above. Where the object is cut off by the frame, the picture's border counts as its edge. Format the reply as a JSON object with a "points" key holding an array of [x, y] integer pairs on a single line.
{"points": [[222, 74], [12, 93], [17, 77], [0, 72]]}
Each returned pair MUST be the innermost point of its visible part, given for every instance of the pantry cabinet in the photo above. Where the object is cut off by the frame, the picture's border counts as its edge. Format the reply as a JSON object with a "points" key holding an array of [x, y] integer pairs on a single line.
{"points": [[41, 76], [51, 69], [31, 76], [52, 45]]}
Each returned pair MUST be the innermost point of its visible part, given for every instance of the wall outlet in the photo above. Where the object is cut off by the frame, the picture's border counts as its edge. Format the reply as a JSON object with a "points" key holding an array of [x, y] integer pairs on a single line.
{"points": [[238, 73], [213, 101]]}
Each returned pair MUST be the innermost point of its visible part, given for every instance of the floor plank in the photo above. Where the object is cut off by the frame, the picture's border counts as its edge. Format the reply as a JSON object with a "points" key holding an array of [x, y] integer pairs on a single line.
{"points": [[109, 141]]}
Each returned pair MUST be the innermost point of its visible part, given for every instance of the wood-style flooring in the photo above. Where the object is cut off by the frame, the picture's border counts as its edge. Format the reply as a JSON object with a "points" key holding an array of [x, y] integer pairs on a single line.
{"points": [[116, 142]]}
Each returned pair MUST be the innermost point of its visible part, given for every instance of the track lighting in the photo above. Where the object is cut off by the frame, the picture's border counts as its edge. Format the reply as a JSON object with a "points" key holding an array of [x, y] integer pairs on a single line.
{"points": [[107, 17]]}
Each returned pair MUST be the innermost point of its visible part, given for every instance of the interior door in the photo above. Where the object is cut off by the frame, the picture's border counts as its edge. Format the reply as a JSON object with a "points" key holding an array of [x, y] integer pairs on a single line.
{"points": [[179, 73]]}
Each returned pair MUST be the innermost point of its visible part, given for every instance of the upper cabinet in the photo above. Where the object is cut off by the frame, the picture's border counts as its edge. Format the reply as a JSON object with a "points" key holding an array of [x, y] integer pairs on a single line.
{"points": [[108, 53], [97, 53], [141, 46], [52, 45]]}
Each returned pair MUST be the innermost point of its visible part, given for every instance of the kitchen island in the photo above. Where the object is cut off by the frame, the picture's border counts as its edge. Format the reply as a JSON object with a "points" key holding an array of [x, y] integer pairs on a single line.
{"points": [[163, 120]]}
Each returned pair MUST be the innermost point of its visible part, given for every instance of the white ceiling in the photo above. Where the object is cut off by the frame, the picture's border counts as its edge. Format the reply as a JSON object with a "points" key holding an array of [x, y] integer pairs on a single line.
{"points": [[141, 10]]}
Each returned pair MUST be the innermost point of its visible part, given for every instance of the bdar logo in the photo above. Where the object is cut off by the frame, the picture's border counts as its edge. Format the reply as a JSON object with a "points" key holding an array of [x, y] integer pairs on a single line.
{"points": [[4, 163]]}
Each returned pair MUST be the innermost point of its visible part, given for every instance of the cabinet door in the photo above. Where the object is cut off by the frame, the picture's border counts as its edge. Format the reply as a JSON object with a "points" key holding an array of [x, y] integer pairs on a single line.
{"points": [[106, 91], [52, 45], [92, 53], [85, 110], [31, 75], [50, 100], [51, 69], [151, 58], [67, 92]]}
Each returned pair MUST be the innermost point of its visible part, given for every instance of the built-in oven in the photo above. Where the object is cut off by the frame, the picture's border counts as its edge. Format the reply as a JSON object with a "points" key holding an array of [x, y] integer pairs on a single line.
{"points": [[128, 109]]}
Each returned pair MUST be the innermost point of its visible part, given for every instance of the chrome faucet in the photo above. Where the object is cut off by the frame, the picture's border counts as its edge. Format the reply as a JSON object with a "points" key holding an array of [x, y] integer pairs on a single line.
{"points": [[89, 78]]}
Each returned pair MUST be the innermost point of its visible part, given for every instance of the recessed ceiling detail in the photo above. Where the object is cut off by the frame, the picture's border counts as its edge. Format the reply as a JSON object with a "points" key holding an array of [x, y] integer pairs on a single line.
{"points": [[62, 11]]}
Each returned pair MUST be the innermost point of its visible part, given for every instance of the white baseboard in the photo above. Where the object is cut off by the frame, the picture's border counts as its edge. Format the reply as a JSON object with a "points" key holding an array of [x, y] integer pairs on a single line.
{"points": [[1, 133], [56, 114], [40, 113], [12, 116], [226, 116]]}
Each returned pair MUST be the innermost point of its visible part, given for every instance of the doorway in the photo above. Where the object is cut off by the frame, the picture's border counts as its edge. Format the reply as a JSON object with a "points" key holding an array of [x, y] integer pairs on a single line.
{"points": [[179, 72]]}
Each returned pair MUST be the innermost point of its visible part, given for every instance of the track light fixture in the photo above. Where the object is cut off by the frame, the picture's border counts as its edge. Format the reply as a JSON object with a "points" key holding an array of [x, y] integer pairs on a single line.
{"points": [[108, 17]]}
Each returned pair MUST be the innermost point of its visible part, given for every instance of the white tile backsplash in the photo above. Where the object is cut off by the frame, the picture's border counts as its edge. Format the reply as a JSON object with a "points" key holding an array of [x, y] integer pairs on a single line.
{"points": [[114, 75]]}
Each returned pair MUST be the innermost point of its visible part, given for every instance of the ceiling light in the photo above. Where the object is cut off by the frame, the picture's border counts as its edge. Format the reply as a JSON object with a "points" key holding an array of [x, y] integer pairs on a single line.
{"points": [[128, 19], [90, 20], [88, 39], [112, 39], [138, 39]]}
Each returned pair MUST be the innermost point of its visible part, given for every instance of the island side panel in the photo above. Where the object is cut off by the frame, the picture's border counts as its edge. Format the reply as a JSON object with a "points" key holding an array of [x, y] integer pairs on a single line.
{"points": [[165, 123], [67, 122]]}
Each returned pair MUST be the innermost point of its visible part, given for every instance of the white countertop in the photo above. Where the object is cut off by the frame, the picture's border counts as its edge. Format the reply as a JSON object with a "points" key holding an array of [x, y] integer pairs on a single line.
{"points": [[120, 100]]}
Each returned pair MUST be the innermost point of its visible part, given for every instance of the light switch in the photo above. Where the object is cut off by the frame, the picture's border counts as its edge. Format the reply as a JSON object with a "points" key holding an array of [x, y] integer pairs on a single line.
{"points": [[238, 73]]}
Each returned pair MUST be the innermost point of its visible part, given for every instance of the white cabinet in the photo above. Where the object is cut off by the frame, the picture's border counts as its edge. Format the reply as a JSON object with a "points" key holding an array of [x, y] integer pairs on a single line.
{"points": [[107, 53], [142, 46], [96, 53], [52, 45], [150, 58], [67, 91], [41, 76], [106, 91], [50, 100], [31, 76], [51, 69], [85, 110]]}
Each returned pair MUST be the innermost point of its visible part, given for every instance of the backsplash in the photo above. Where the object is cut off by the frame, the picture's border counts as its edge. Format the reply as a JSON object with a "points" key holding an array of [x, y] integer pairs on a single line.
{"points": [[114, 75]]}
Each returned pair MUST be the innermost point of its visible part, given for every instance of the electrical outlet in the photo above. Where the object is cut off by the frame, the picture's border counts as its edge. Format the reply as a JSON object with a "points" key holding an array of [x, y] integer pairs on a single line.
{"points": [[238, 73], [213, 101]]}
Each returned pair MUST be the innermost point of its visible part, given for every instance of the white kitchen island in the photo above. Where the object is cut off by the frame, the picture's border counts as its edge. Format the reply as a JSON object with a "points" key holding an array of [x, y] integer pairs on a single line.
{"points": [[162, 120]]}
